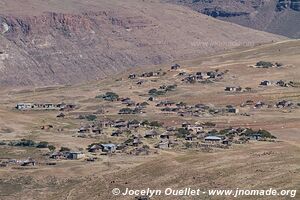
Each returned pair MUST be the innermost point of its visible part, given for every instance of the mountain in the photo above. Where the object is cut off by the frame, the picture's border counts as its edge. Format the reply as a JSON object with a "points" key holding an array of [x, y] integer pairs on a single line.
{"points": [[72, 41], [275, 16]]}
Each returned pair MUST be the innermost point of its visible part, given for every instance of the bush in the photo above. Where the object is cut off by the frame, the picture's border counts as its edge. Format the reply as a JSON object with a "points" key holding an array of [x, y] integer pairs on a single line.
{"points": [[126, 111], [209, 124], [182, 132], [91, 117], [266, 134], [64, 149], [188, 145], [262, 133], [144, 104], [109, 96], [152, 91], [223, 132], [264, 64], [51, 147], [171, 87], [155, 124], [128, 141], [160, 92], [42, 144], [24, 143], [213, 132], [145, 123]]}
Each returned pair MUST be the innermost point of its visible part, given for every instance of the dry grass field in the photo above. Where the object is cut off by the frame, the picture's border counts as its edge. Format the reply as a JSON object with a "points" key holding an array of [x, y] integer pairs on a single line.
{"points": [[254, 165]]}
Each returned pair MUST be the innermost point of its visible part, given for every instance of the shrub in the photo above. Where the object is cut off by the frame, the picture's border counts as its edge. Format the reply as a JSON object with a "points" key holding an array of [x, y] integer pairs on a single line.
{"points": [[155, 123], [171, 87], [160, 92], [152, 91], [145, 123], [266, 134], [264, 64], [144, 104], [24, 143], [262, 133], [188, 145], [209, 124], [51, 147], [42, 144], [109, 96], [91, 117], [63, 149], [126, 111], [182, 132]]}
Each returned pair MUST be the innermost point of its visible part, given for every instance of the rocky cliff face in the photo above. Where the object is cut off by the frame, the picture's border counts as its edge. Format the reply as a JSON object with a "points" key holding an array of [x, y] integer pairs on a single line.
{"points": [[89, 42], [275, 16], [292, 4]]}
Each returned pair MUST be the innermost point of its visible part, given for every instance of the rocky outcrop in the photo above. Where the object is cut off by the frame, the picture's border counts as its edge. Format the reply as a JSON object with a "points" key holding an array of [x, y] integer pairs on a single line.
{"points": [[219, 12], [292, 4], [275, 16]]}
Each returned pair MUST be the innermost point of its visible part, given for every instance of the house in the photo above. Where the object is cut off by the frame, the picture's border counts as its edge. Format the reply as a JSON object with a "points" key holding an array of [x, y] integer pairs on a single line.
{"points": [[284, 104], [61, 115], [189, 137], [151, 99], [185, 125], [265, 83], [212, 139], [46, 127], [128, 102], [165, 136], [202, 106], [194, 128], [225, 142], [105, 124], [24, 106], [151, 134], [175, 66], [190, 79], [133, 124], [233, 110], [57, 155], [140, 82], [136, 141], [182, 74], [163, 145], [120, 124], [116, 133], [84, 129], [259, 104], [165, 103], [94, 148], [96, 130], [66, 107], [27, 162], [233, 89], [132, 76], [281, 83], [75, 155], [108, 148]]}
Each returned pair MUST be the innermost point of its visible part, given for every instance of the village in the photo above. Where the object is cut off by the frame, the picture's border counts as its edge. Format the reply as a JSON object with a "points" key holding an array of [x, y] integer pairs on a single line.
{"points": [[124, 131]]}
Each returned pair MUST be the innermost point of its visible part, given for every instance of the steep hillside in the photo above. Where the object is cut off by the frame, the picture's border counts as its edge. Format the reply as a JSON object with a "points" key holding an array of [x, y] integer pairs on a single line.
{"points": [[55, 42], [276, 16]]}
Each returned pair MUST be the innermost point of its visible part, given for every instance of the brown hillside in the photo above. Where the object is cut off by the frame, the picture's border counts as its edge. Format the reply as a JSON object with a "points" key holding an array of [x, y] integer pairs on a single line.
{"points": [[71, 41]]}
